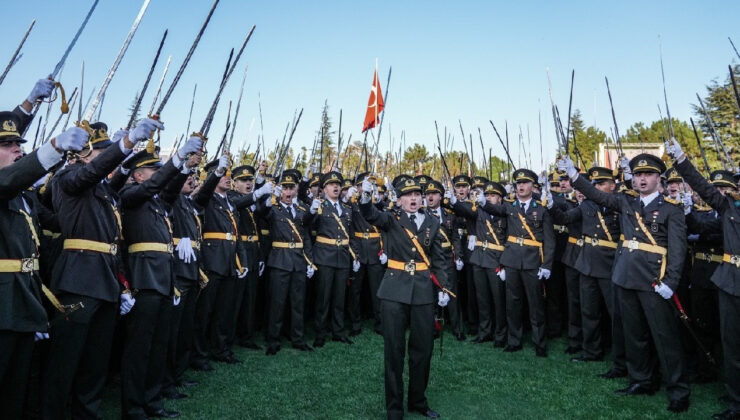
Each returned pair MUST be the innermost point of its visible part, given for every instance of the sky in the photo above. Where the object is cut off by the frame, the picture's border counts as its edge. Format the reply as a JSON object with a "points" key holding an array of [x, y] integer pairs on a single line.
{"points": [[467, 60]]}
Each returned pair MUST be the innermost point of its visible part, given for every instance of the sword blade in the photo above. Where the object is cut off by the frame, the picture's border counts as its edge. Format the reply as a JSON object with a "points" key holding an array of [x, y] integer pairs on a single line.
{"points": [[135, 111], [14, 58], [60, 64]]}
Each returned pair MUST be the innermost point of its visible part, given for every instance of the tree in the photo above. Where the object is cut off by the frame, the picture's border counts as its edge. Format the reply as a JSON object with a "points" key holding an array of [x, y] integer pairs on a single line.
{"points": [[724, 110]]}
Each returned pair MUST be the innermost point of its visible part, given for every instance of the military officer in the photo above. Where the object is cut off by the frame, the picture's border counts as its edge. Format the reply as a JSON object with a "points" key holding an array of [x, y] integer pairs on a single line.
{"points": [[647, 270], [724, 199], [407, 293]]}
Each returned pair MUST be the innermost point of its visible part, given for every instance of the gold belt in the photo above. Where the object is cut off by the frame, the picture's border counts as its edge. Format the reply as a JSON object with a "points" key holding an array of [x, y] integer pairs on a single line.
{"points": [[249, 238], [575, 241], [196, 244], [291, 245], [328, 241], [732, 259], [265, 232], [715, 258], [600, 242], [489, 245], [410, 267], [446, 245], [367, 235], [150, 247], [655, 249], [220, 235], [22, 265], [88, 245]]}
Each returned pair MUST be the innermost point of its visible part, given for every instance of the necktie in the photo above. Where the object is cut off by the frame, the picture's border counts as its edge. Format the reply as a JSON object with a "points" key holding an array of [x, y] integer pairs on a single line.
{"points": [[413, 220], [336, 206], [524, 210]]}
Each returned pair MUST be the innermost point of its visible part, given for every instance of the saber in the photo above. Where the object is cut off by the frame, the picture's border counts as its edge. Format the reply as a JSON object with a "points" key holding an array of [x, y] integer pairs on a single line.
{"points": [[732, 79], [38, 126], [715, 134], [614, 119], [192, 103], [554, 116], [665, 96], [382, 115], [570, 103], [701, 148], [121, 53], [135, 111], [503, 145], [226, 133], [227, 148], [159, 88], [290, 139], [733, 47], [72, 98], [209, 118], [14, 58], [185, 61], [483, 149]]}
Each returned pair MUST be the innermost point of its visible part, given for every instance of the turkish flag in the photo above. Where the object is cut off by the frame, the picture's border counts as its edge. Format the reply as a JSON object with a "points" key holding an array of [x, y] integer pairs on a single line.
{"points": [[375, 105]]}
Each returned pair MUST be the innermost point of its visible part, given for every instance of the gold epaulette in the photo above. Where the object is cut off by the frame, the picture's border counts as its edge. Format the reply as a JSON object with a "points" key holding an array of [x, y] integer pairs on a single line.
{"points": [[698, 207], [632, 193], [672, 201]]}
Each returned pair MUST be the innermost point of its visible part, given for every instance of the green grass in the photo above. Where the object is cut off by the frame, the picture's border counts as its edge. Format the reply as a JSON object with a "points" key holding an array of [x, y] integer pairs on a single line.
{"points": [[471, 381]]}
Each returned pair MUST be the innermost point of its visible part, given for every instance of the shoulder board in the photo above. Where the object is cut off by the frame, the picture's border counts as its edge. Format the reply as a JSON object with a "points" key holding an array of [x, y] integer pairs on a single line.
{"points": [[509, 200], [448, 211], [300, 207], [540, 202], [672, 201], [320, 210], [698, 207], [633, 193]]}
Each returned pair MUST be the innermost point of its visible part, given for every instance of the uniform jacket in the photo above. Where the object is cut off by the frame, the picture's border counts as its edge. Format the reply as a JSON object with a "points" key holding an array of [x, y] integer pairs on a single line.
{"points": [[400, 285], [726, 276], [88, 206], [638, 269], [146, 219], [277, 216], [324, 222], [479, 222], [20, 293], [250, 253], [366, 248], [522, 257], [707, 226]]}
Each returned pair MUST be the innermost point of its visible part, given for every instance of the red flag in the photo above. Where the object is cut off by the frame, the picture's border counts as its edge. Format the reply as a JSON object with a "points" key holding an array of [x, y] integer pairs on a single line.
{"points": [[375, 105]]}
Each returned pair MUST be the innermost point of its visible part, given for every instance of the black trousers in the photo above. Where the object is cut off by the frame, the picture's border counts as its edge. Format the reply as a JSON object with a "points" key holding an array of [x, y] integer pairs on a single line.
{"points": [[331, 287], [204, 309], [373, 274], [145, 354], [454, 309], [181, 332], [729, 317], [223, 323], [397, 319], [646, 314], [471, 303], [491, 298], [593, 291], [246, 321], [15, 363], [573, 288], [705, 314], [282, 285], [79, 353], [519, 283], [555, 299]]}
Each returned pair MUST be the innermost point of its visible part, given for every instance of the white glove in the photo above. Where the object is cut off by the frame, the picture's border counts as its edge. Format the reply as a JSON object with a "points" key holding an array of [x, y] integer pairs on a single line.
{"points": [[443, 299], [266, 189], [355, 266], [459, 264], [688, 203], [309, 271], [383, 258], [40, 335], [350, 193], [565, 164], [480, 198], [502, 274], [451, 197], [73, 139], [243, 273], [367, 186], [471, 242], [42, 89], [193, 145], [185, 250], [508, 188], [543, 273], [315, 206], [624, 164], [175, 300], [664, 291], [261, 268], [118, 135], [144, 130], [673, 149], [548, 198], [223, 164], [127, 302], [277, 191]]}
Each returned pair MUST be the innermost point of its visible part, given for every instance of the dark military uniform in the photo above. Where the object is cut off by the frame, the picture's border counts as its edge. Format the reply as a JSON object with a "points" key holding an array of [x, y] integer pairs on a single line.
{"points": [[599, 227], [727, 276], [87, 271], [407, 296], [653, 251], [490, 237], [184, 215], [148, 236], [468, 302], [291, 252], [333, 255], [21, 311], [530, 245]]}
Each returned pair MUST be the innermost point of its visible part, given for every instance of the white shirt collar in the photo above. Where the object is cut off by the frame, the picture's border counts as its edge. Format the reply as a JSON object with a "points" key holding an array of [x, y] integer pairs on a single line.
{"points": [[647, 199]]}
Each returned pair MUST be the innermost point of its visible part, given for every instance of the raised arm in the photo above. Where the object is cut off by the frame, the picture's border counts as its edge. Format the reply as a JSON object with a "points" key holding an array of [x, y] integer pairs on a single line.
{"points": [[708, 192], [135, 195]]}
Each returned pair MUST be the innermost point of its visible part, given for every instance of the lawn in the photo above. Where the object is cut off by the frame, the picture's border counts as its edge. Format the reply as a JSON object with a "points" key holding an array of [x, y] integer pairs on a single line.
{"points": [[470, 381]]}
